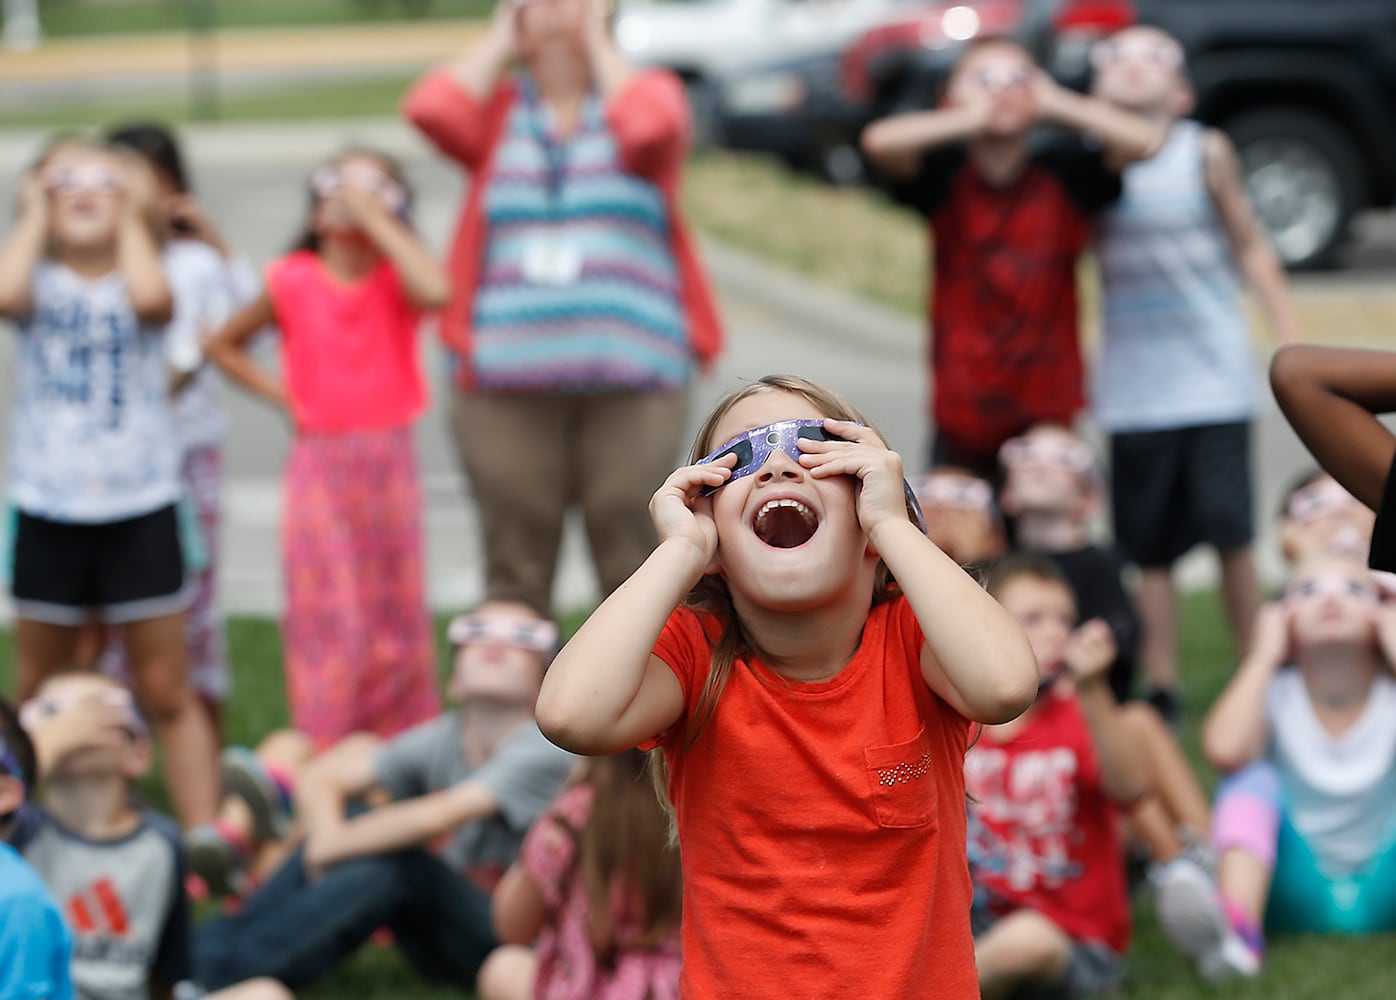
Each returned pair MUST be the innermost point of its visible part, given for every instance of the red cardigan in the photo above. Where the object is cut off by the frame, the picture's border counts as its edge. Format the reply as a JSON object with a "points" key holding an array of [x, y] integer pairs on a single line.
{"points": [[649, 119]]}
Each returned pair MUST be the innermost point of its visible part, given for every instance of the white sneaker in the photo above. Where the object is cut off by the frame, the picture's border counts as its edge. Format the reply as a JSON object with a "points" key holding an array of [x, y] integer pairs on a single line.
{"points": [[1191, 914]]}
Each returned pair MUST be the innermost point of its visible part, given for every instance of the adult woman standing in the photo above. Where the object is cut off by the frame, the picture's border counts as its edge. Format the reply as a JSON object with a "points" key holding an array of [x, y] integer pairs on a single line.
{"points": [[580, 310]]}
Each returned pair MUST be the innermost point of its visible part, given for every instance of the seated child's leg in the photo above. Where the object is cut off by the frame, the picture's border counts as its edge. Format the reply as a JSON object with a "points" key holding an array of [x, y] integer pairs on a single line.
{"points": [[1023, 947], [508, 974], [42, 648], [1175, 786], [180, 726], [447, 933], [1376, 902], [1245, 837]]}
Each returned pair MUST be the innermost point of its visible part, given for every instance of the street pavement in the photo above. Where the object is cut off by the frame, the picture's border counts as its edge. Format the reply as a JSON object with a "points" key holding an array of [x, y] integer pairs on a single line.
{"points": [[253, 180]]}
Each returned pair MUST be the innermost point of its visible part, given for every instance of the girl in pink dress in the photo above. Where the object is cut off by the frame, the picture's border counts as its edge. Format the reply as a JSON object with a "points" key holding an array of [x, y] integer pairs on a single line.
{"points": [[348, 301], [598, 886]]}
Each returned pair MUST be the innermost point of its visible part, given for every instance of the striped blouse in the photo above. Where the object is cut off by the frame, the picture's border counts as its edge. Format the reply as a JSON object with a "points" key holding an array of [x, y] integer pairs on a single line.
{"points": [[604, 312]]}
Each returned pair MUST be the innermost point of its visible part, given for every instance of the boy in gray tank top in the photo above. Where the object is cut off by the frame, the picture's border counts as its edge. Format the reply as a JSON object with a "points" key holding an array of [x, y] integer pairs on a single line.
{"points": [[1177, 385]]}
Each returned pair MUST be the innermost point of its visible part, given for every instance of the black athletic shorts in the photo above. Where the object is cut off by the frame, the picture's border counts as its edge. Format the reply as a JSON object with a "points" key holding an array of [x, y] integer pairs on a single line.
{"points": [[1174, 489], [123, 571]]}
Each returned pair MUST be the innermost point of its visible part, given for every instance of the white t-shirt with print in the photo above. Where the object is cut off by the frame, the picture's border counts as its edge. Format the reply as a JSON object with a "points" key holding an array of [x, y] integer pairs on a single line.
{"points": [[1341, 789], [92, 435]]}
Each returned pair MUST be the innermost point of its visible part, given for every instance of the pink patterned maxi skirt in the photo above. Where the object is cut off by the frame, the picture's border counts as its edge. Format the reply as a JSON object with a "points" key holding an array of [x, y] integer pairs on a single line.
{"points": [[359, 650]]}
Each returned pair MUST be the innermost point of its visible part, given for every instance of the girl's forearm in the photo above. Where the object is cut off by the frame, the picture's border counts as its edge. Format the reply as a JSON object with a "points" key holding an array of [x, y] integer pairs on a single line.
{"points": [[1267, 280], [1124, 770], [1128, 136], [19, 255], [424, 280], [981, 650], [600, 672], [1235, 730], [901, 136], [138, 259], [234, 362]]}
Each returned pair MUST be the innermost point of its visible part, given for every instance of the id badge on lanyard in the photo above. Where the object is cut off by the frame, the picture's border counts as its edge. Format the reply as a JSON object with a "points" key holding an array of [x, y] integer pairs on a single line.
{"points": [[551, 257]]}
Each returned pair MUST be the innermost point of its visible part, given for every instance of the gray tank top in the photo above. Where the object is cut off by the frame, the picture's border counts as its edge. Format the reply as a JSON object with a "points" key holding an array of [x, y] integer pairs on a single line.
{"points": [[1177, 348]]}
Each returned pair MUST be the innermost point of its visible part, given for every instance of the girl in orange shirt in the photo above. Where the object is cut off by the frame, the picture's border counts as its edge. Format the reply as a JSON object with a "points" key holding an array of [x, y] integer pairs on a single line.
{"points": [[810, 664]]}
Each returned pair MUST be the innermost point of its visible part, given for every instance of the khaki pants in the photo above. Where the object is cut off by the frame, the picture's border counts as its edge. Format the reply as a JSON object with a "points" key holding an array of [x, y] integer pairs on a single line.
{"points": [[530, 457]]}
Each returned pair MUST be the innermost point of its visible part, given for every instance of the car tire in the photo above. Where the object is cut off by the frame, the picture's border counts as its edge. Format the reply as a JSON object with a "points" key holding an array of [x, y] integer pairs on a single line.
{"points": [[1305, 179]]}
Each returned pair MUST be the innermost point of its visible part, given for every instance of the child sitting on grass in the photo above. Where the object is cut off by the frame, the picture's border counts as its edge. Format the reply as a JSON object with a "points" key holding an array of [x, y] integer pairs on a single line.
{"points": [[598, 886], [463, 788], [1051, 907], [1319, 517], [962, 517], [1305, 828], [115, 867], [1051, 488], [36, 947]]}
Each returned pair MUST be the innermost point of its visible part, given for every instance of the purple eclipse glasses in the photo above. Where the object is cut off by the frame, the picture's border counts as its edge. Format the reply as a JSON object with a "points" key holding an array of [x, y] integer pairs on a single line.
{"points": [[755, 446]]}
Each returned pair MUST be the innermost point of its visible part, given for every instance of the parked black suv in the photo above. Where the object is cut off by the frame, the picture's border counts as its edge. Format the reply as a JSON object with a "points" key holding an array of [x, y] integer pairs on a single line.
{"points": [[1306, 90]]}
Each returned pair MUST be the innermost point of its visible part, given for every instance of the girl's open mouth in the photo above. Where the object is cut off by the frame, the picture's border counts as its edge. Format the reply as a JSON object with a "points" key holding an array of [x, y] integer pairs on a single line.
{"points": [[785, 523]]}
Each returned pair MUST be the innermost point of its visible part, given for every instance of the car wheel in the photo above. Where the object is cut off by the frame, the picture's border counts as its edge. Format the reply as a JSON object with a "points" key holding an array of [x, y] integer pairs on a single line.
{"points": [[1305, 178]]}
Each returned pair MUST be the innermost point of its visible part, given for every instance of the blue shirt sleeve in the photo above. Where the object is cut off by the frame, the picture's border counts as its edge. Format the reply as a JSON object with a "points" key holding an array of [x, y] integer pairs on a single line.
{"points": [[36, 953]]}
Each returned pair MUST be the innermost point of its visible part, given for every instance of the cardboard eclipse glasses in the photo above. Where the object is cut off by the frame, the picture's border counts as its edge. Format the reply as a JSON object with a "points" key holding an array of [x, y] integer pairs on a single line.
{"points": [[756, 445]]}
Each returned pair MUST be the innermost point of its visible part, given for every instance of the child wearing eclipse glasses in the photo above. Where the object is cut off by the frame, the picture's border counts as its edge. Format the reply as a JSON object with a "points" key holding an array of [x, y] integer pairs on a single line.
{"points": [[348, 302], [116, 867], [810, 666], [1009, 218], [1305, 822], [1176, 388], [94, 467], [411, 833]]}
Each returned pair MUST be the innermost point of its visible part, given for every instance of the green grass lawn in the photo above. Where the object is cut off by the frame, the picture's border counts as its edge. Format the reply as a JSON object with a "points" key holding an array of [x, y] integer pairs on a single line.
{"points": [[1299, 968], [72, 18]]}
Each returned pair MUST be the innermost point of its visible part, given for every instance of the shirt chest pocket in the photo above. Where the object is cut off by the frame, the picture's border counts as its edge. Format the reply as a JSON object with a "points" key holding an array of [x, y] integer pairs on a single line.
{"points": [[903, 782]]}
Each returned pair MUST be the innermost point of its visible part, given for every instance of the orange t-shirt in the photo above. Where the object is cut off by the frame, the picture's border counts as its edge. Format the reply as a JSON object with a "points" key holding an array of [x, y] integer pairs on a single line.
{"points": [[822, 826]]}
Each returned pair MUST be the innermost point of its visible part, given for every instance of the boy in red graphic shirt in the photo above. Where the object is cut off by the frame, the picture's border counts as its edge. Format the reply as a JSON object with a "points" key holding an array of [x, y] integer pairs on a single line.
{"points": [[1051, 906], [1009, 218]]}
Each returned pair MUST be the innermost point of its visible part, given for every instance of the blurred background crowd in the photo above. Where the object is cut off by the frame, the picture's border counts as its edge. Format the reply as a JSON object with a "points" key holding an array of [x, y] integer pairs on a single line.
{"points": [[272, 155]]}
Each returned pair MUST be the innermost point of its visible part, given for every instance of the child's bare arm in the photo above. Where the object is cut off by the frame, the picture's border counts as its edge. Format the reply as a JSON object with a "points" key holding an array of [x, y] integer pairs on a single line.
{"points": [[1256, 257], [138, 253], [1124, 770], [228, 349], [399, 825], [1235, 731], [1330, 395], [327, 783], [22, 251], [897, 143], [423, 279], [975, 657], [519, 908], [1127, 137], [606, 691]]}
